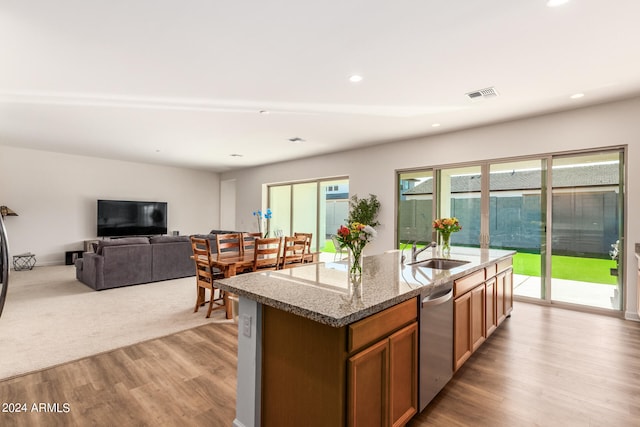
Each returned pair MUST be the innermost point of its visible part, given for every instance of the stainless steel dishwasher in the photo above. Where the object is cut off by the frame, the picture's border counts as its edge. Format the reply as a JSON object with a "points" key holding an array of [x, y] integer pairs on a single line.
{"points": [[436, 342]]}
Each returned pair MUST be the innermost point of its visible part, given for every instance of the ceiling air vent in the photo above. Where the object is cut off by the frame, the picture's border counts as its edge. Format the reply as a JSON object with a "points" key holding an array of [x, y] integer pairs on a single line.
{"points": [[489, 92]]}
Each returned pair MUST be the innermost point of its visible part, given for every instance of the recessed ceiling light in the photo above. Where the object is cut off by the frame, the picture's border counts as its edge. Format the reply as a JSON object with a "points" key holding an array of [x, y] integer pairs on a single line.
{"points": [[555, 3], [296, 140], [435, 125], [355, 78], [236, 155], [576, 95]]}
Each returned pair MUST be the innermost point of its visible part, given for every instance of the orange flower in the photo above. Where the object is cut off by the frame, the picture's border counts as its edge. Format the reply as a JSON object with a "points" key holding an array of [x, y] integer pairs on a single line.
{"points": [[447, 225]]}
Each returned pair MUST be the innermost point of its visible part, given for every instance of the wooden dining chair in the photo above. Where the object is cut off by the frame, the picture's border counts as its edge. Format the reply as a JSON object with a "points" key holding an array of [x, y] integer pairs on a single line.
{"points": [[205, 276], [308, 256], [292, 251], [229, 244], [267, 254], [248, 241]]}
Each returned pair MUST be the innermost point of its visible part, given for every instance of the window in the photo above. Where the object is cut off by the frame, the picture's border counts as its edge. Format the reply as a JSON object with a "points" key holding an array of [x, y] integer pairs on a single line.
{"points": [[317, 207]]}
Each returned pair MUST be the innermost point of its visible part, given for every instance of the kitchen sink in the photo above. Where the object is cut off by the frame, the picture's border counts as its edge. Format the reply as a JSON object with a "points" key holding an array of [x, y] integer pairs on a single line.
{"points": [[439, 263]]}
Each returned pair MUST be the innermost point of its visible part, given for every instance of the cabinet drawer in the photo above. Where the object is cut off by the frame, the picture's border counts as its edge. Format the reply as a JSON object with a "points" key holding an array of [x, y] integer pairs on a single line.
{"points": [[373, 328], [504, 264], [491, 270], [467, 283]]}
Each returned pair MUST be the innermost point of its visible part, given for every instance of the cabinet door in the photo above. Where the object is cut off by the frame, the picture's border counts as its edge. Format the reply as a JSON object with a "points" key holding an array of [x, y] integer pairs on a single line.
{"points": [[500, 297], [477, 328], [368, 386], [461, 330], [508, 292], [403, 375], [490, 307]]}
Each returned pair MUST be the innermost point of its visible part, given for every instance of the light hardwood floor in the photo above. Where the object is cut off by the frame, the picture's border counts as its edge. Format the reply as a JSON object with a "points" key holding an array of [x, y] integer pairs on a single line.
{"points": [[543, 367]]}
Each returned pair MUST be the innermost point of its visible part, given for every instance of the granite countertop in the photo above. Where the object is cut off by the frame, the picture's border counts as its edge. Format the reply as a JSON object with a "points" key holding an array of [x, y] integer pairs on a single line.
{"points": [[322, 291]]}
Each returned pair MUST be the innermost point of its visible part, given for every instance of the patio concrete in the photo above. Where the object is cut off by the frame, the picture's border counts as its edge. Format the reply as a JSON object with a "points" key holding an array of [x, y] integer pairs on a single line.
{"points": [[571, 291]]}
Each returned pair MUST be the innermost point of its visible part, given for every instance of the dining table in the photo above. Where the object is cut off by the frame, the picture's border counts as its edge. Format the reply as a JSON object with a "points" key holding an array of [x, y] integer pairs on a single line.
{"points": [[230, 265]]}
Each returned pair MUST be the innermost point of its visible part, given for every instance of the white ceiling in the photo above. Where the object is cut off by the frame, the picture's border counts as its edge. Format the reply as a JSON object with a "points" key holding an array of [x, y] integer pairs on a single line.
{"points": [[182, 82]]}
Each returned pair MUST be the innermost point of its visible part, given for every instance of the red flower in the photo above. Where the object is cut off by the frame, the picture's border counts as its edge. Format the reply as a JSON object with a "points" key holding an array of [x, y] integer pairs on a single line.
{"points": [[344, 231]]}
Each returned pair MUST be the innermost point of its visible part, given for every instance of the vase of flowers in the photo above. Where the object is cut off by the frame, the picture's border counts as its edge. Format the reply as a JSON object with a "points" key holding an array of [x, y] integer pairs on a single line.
{"points": [[355, 263], [445, 227], [263, 218], [355, 238]]}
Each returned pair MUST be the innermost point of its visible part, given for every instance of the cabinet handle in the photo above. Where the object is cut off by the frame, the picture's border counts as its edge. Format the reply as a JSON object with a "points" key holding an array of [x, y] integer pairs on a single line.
{"points": [[438, 300]]}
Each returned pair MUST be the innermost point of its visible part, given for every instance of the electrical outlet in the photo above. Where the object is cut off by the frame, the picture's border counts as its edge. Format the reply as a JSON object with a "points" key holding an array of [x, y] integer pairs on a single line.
{"points": [[246, 325]]}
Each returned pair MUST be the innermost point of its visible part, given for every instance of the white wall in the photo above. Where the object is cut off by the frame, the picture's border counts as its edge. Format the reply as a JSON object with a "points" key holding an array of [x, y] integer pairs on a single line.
{"points": [[372, 170], [228, 205], [55, 197]]}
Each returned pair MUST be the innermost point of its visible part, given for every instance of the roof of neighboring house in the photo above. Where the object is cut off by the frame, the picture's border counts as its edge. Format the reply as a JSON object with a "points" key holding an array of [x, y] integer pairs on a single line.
{"points": [[578, 176]]}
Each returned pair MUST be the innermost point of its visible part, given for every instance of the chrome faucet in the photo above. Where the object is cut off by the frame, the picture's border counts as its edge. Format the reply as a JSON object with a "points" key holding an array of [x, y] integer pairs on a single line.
{"points": [[415, 251]]}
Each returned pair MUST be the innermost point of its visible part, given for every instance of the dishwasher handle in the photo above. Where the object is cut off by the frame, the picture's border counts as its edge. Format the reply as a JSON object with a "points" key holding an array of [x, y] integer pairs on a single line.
{"points": [[427, 301]]}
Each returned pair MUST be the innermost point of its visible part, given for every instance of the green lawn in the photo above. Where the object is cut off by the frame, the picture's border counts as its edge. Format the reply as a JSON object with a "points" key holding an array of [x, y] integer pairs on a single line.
{"points": [[328, 247], [564, 267]]}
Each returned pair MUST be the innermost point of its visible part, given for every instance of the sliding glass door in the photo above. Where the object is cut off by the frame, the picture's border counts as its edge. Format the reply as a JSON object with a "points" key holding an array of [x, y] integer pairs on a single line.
{"points": [[316, 207], [459, 195], [563, 214], [586, 229], [280, 205], [304, 212], [517, 212], [415, 207]]}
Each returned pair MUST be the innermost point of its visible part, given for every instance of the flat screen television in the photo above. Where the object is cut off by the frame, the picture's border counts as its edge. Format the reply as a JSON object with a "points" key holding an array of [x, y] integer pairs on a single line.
{"points": [[117, 218]]}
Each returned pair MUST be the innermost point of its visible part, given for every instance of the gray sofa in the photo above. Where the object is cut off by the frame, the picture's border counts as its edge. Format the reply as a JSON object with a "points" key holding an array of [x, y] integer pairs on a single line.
{"points": [[136, 260]]}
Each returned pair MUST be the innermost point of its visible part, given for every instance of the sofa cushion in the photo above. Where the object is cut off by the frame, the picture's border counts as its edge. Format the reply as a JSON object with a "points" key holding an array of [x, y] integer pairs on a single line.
{"points": [[168, 239], [171, 260], [122, 242], [205, 236], [222, 232], [125, 265]]}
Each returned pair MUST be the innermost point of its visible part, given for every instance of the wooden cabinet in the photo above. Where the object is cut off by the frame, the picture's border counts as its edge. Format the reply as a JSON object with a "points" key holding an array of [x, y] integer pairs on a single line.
{"points": [[508, 291], [491, 319], [501, 314], [363, 374], [369, 386], [504, 294], [478, 331], [303, 371], [382, 386], [383, 381], [483, 299], [461, 330], [403, 375], [468, 324]]}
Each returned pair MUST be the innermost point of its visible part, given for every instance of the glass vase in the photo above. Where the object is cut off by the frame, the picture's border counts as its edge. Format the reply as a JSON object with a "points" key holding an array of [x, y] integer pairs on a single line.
{"points": [[355, 263], [446, 243]]}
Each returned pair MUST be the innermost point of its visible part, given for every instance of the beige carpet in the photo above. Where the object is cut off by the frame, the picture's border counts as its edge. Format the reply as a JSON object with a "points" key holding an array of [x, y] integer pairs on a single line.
{"points": [[50, 318]]}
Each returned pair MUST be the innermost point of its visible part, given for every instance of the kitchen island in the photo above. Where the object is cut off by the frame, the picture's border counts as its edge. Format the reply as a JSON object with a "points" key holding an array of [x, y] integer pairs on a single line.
{"points": [[311, 343]]}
